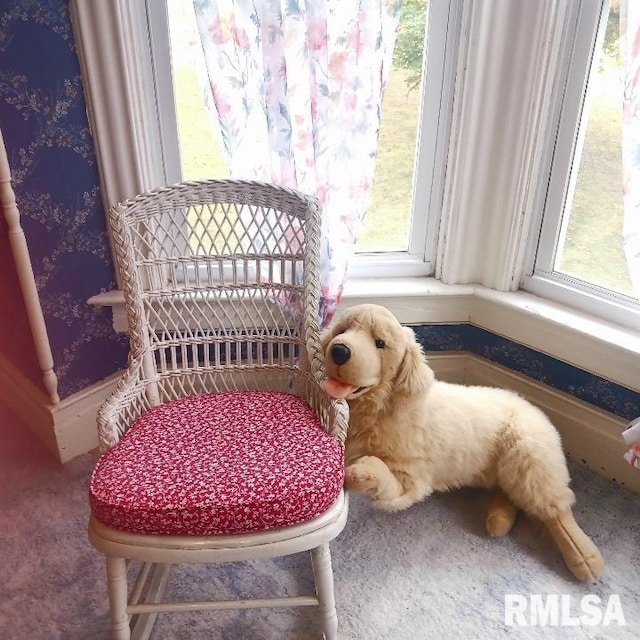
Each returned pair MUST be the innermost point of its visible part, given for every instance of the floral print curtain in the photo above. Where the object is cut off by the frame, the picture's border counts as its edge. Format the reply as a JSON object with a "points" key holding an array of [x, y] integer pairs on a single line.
{"points": [[630, 52], [297, 87]]}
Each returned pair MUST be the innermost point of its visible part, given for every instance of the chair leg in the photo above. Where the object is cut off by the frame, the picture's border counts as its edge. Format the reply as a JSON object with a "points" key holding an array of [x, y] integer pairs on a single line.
{"points": [[118, 593], [323, 575]]}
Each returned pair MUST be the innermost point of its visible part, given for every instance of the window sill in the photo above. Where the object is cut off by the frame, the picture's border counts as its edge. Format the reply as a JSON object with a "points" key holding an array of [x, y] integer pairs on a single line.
{"points": [[594, 345], [591, 344]]}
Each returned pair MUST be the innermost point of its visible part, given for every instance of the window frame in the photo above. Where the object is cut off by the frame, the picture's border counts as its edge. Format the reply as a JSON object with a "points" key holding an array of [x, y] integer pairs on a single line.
{"points": [[442, 41], [584, 29]]}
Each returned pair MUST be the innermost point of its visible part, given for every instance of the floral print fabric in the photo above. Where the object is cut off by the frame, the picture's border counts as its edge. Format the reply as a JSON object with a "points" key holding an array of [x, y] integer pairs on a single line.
{"points": [[219, 463], [297, 88]]}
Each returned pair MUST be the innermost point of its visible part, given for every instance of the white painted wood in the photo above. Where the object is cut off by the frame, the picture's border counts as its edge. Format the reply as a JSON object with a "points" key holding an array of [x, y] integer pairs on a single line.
{"points": [[585, 298], [22, 259], [30, 404], [140, 582], [440, 60], [115, 300], [450, 366], [220, 605], [67, 429], [117, 69], [143, 624], [553, 187], [323, 576], [443, 36], [163, 88], [74, 419], [413, 300], [563, 140], [117, 590]]}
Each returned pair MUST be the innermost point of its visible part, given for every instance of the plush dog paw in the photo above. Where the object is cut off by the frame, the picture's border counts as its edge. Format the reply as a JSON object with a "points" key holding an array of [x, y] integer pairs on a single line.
{"points": [[396, 504], [359, 477], [501, 514]]}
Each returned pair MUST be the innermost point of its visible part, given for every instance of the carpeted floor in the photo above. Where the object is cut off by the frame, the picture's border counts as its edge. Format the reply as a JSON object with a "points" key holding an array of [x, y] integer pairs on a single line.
{"points": [[428, 573]]}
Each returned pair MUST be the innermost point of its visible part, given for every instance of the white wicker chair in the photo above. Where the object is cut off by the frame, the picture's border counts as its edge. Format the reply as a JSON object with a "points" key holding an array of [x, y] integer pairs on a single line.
{"points": [[219, 443]]}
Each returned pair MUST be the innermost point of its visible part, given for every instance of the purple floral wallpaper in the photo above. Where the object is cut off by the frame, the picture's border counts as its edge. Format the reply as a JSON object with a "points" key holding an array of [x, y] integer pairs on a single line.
{"points": [[44, 124]]}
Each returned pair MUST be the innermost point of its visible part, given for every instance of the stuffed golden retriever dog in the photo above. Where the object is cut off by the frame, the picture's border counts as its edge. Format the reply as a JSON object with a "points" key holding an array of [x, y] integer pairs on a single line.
{"points": [[410, 435]]}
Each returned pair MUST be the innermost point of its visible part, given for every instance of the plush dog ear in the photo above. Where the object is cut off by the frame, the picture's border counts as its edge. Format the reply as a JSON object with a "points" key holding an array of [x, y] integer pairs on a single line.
{"points": [[414, 374]]}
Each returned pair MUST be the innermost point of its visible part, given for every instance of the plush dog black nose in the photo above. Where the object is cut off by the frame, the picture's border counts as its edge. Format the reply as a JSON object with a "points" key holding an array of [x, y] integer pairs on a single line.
{"points": [[340, 353]]}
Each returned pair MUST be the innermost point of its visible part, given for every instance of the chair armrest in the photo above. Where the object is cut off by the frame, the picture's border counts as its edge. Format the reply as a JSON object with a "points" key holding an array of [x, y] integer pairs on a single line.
{"points": [[334, 413], [127, 402]]}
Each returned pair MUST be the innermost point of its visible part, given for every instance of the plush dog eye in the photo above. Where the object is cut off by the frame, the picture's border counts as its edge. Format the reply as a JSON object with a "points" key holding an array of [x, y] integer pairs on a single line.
{"points": [[379, 344]]}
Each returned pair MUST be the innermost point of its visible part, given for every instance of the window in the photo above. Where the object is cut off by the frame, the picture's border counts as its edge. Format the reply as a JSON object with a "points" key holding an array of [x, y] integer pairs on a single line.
{"points": [[578, 257], [400, 227], [485, 114], [198, 140]]}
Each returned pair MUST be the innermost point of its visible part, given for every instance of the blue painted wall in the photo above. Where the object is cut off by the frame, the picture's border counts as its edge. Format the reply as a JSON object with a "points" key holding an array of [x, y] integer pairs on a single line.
{"points": [[621, 401], [44, 124]]}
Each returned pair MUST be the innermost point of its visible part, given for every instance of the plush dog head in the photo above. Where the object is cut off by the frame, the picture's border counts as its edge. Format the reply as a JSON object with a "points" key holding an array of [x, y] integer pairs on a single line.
{"points": [[369, 353]]}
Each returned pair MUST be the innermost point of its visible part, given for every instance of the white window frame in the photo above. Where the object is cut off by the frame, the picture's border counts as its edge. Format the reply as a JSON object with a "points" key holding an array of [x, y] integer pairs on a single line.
{"points": [[442, 41], [503, 100], [584, 30]]}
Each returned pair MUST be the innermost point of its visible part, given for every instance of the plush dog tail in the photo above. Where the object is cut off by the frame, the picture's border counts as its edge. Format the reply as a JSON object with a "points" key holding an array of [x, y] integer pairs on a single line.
{"points": [[414, 374]]}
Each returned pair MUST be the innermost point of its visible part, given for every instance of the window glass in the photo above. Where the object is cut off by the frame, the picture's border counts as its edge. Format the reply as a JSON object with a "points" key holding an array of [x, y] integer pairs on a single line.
{"points": [[201, 153], [388, 218], [579, 257], [589, 244]]}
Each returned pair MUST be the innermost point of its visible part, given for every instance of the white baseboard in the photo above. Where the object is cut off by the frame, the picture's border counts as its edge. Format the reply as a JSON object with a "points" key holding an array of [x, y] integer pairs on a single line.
{"points": [[67, 429], [449, 365], [75, 418], [26, 400], [591, 436]]}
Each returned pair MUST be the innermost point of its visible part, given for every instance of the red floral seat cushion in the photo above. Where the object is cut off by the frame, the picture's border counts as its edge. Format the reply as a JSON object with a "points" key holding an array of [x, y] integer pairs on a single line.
{"points": [[219, 463]]}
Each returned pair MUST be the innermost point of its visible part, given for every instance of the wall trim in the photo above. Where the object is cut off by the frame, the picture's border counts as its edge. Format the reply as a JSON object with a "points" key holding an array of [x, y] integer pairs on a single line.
{"points": [[75, 418], [29, 402], [505, 73], [67, 429], [117, 71]]}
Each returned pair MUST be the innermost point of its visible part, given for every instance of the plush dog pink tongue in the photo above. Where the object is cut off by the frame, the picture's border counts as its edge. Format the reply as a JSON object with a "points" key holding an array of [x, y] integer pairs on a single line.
{"points": [[337, 389]]}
